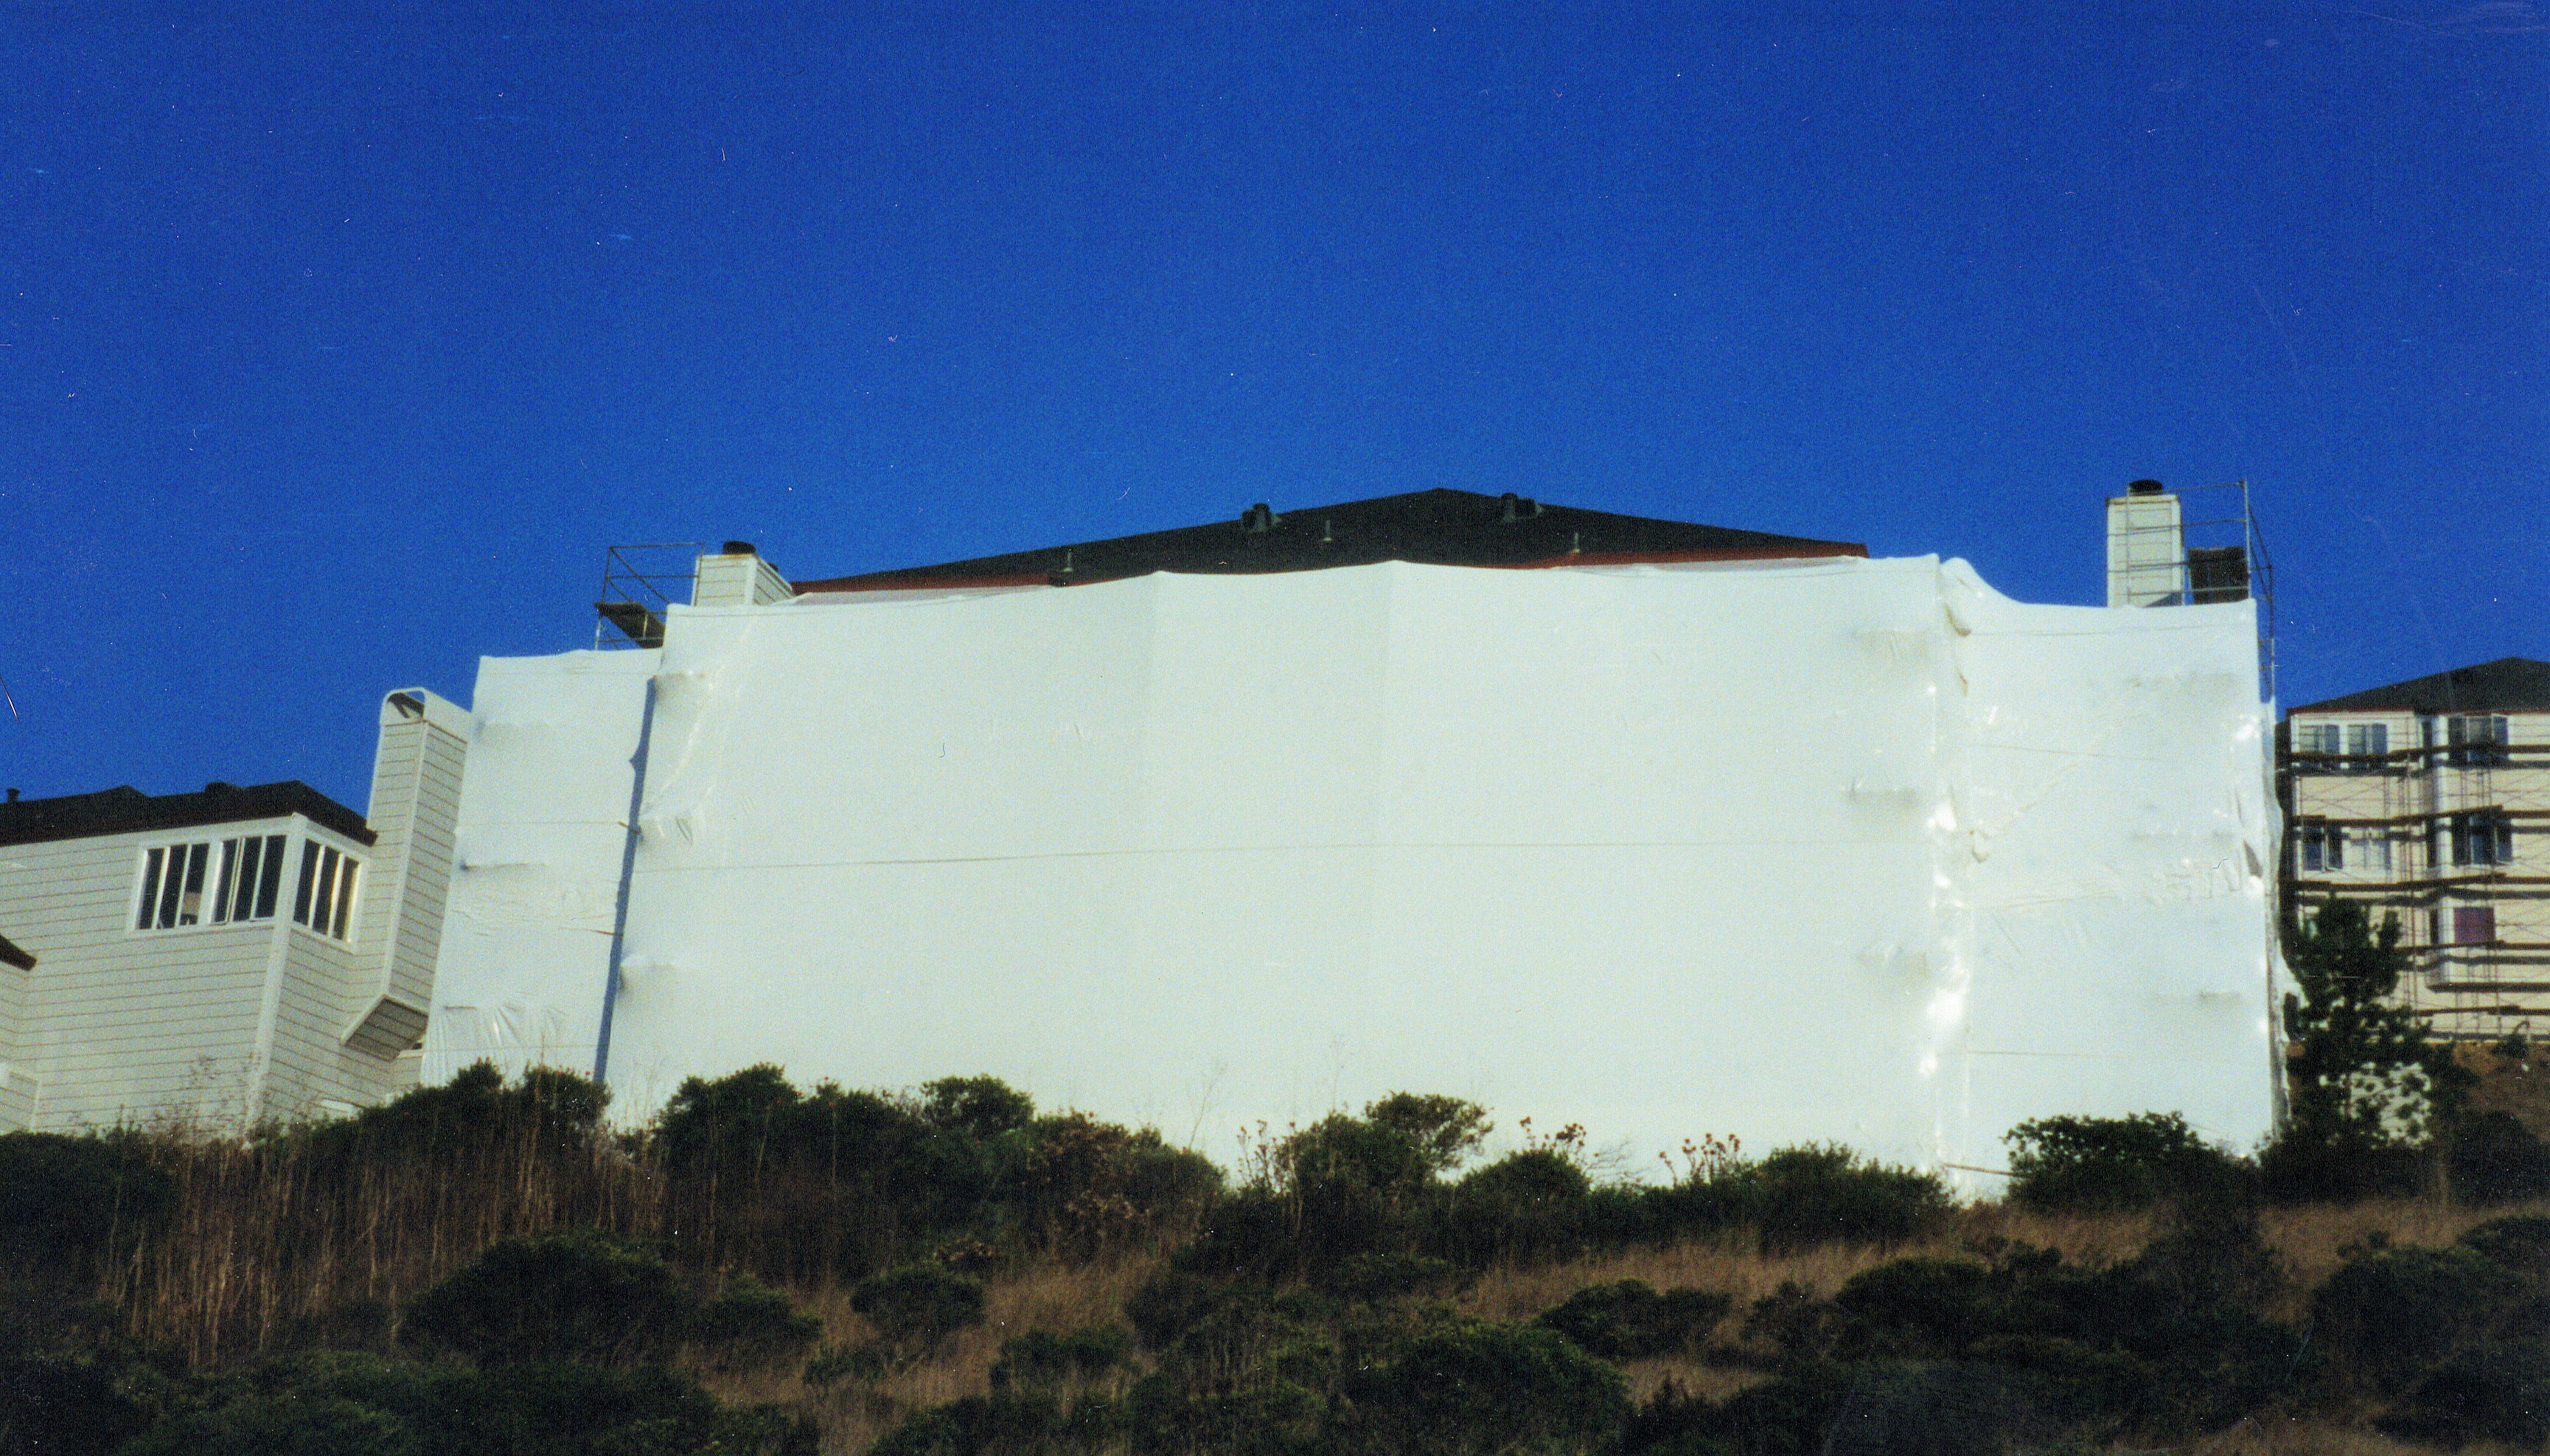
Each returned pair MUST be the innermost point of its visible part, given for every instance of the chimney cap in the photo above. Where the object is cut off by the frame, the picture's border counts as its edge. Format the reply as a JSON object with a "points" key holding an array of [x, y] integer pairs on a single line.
{"points": [[2145, 488], [740, 548]]}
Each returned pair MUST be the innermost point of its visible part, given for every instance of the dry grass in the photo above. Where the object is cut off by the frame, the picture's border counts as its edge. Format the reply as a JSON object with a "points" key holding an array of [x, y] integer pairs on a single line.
{"points": [[853, 1415], [2282, 1435], [271, 1245], [270, 1248]]}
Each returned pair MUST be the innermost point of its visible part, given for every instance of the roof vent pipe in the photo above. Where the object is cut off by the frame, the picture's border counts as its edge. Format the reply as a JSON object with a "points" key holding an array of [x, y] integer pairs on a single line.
{"points": [[1259, 518]]}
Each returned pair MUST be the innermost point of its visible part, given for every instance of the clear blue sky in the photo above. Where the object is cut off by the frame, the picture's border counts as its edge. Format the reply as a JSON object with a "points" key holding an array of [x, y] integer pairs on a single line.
{"points": [[337, 342]]}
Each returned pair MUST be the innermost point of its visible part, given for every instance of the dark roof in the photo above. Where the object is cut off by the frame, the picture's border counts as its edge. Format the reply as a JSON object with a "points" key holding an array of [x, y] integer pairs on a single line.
{"points": [[1436, 528], [10, 955], [127, 810], [2508, 685]]}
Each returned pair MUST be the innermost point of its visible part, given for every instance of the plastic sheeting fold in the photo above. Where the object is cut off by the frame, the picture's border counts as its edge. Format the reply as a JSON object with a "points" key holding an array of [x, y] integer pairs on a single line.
{"points": [[1842, 849]]}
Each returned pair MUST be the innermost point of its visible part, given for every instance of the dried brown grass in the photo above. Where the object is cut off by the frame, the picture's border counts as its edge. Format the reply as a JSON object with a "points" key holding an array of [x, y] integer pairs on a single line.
{"points": [[270, 1247], [272, 1244]]}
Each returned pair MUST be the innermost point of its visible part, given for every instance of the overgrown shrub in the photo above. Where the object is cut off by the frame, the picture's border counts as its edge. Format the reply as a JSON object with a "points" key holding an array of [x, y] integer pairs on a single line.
{"points": [[1009, 1423], [1042, 1358], [1375, 1278], [2497, 1390], [580, 1295], [916, 1307], [1802, 1196], [1630, 1321], [1481, 1387], [469, 1117], [339, 1404], [1925, 1306], [982, 1108], [1086, 1187], [66, 1202], [2520, 1242], [2397, 1312], [2492, 1158], [1527, 1205], [802, 1187], [2111, 1163], [751, 1326], [572, 1294], [1445, 1131]]}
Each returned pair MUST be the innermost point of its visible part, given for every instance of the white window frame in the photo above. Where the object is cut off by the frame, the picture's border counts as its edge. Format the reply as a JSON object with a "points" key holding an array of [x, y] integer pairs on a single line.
{"points": [[326, 884], [162, 905]]}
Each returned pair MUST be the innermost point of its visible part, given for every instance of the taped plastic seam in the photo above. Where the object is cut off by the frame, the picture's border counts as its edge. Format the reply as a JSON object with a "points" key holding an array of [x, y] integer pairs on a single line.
{"points": [[1843, 849]]}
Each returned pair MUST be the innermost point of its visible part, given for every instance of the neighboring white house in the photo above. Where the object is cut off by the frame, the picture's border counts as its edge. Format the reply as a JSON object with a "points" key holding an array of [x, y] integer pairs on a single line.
{"points": [[224, 957], [1660, 829], [2427, 799]]}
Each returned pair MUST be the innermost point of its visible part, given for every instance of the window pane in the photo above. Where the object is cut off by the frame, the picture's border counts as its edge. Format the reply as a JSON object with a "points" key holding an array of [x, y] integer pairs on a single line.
{"points": [[269, 877], [310, 850], [149, 916], [2473, 923], [237, 900], [323, 892], [190, 909], [345, 897], [2312, 852]]}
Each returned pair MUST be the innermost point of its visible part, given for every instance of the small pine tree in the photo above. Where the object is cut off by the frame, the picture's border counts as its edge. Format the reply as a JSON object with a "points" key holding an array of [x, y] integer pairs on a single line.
{"points": [[2364, 1073]]}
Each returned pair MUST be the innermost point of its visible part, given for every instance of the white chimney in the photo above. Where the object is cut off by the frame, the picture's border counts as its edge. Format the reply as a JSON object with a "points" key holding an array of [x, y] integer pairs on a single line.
{"points": [[737, 577], [2146, 547]]}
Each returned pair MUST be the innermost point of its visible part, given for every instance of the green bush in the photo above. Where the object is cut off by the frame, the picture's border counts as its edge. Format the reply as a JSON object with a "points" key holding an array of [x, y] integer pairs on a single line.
{"points": [[1629, 1320], [802, 1187], [2303, 1166], [1445, 1131], [916, 1307], [2492, 1392], [1379, 1278], [979, 1107], [572, 1294], [1924, 1306], [64, 1405], [1085, 1187], [1042, 1358], [1482, 1388], [1798, 1197], [66, 1201], [2111, 1163], [1527, 1205], [1007, 1423], [2397, 1312], [471, 1115], [2520, 1242], [330, 1402], [2493, 1158], [748, 1324]]}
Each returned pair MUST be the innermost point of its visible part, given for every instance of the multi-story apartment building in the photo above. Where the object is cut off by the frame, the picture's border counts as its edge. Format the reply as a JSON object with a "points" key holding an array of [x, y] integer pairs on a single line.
{"points": [[226, 956], [2429, 799]]}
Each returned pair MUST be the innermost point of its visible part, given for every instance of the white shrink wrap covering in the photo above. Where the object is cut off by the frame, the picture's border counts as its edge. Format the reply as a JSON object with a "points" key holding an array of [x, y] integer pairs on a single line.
{"points": [[543, 841], [1840, 849]]}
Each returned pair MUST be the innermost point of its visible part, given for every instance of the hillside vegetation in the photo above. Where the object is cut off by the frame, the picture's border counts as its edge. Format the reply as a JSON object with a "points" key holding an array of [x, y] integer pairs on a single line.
{"points": [[483, 1267]]}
